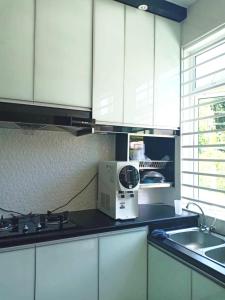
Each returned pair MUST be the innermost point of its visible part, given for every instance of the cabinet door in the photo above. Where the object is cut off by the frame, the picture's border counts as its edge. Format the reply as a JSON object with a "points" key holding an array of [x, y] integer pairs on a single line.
{"points": [[63, 52], [167, 278], [205, 289], [67, 271], [167, 74], [123, 266], [17, 275], [16, 49], [139, 67], [108, 78]]}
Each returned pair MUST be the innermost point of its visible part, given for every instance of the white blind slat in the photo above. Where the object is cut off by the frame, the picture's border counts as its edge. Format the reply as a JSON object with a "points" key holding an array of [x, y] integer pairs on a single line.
{"points": [[204, 160], [203, 188], [202, 77], [204, 174], [202, 64], [204, 104]]}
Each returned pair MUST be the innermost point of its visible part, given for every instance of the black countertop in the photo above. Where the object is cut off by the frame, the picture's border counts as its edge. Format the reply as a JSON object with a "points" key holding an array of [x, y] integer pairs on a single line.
{"points": [[93, 222], [198, 261]]}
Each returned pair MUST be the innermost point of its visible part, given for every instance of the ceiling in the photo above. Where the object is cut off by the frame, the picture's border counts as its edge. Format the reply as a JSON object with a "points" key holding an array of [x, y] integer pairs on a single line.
{"points": [[184, 3]]}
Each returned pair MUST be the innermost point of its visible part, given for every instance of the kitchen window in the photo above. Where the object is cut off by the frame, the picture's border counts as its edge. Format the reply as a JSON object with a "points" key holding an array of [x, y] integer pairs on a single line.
{"points": [[203, 124]]}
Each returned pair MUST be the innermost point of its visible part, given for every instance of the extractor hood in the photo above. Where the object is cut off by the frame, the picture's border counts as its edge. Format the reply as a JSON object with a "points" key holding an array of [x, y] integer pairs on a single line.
{"points": [[159, 7], [34, 117], [77, 122]]}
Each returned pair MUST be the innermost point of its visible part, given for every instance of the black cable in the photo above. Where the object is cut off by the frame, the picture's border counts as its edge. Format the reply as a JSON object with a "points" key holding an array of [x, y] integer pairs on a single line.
{"points": [[57, 208], [75, 196], [12, 212]]}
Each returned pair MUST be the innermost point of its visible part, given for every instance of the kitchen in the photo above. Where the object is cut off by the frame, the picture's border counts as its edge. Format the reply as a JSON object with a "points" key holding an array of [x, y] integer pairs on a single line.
{"points": [[81, 83]]}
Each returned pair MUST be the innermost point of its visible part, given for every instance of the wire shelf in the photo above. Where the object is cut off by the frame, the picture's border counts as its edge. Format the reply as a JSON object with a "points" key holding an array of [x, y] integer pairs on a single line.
{"points": [[153, 164]]}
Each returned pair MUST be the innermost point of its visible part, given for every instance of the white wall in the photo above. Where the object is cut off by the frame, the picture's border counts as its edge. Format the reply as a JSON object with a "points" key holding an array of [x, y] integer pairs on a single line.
{"points": [[203, 16], [40, 170]]}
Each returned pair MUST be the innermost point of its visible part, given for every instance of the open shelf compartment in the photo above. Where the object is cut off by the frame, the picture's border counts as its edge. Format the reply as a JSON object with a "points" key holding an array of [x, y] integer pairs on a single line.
{"points": [[156, 156]]}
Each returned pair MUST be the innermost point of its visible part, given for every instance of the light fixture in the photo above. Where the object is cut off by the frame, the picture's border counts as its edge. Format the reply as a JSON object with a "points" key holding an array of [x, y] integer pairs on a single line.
{"points": [[143, 7]]}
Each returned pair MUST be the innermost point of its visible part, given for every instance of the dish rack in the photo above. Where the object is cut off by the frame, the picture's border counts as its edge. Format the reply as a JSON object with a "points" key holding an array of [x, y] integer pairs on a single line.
{"points": [[153, 164]]}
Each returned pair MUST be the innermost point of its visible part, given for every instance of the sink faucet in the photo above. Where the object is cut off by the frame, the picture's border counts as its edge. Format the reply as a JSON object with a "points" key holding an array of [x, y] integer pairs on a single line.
{"points": [[203, 226]]}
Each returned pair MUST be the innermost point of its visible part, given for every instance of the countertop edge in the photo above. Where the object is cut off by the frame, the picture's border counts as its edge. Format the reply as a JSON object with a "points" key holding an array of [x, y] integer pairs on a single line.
{"points": [[176, 221]]}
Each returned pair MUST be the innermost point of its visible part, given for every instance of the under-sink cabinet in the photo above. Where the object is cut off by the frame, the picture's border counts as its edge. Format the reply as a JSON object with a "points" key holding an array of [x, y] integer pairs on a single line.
{"points": [[17, 276], [171, 279], [167, 278], [205, 289]]}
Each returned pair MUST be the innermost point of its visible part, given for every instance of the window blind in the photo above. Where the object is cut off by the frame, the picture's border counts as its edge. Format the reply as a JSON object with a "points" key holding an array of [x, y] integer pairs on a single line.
{"points": [[203, 124]]}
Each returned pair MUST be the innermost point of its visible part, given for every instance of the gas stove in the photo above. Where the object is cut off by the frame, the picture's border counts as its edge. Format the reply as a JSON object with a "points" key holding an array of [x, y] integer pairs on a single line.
{"points": [[33, 224]]}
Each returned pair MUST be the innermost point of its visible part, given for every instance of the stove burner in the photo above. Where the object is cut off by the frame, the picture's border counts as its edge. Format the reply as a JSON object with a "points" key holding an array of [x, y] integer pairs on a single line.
{"points": [[35, 224], [59, 218]]}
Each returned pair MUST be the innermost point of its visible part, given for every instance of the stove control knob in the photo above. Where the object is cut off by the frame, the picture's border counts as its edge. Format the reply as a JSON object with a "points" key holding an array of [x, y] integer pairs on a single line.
{"points": [[61, 219], [15, 221], [25, 228], [39, 227], [15, 224], [42, 221], [2, 221]]}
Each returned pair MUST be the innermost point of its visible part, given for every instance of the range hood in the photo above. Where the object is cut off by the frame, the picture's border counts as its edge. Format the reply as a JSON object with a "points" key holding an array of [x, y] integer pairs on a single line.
{"points": [[76, 122], [34, 117]]}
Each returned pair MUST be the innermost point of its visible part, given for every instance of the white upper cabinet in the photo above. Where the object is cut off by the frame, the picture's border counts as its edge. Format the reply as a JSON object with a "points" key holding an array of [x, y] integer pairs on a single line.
{"points": [[139, 67], [16, 49], [167, 74], [63, 55], [108, 73]]}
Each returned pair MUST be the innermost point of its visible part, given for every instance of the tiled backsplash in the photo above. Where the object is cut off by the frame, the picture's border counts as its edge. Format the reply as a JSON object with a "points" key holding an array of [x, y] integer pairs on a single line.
{"points": [[41, 170]]}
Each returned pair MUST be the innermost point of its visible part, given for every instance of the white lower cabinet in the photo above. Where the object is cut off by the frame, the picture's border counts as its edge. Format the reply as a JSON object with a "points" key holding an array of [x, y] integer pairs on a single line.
{"points": [[67, 271], [168, 279], [205, 289], [17, 274], [123, 266]]}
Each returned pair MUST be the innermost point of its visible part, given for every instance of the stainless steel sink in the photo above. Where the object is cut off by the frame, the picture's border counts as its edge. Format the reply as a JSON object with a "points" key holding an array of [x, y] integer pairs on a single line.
{"points": [[195, 239], [217, 254]]}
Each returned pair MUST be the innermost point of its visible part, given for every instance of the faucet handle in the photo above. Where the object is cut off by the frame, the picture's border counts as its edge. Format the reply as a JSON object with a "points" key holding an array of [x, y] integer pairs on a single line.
{"points": [[212, 228], [203, 227]]}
